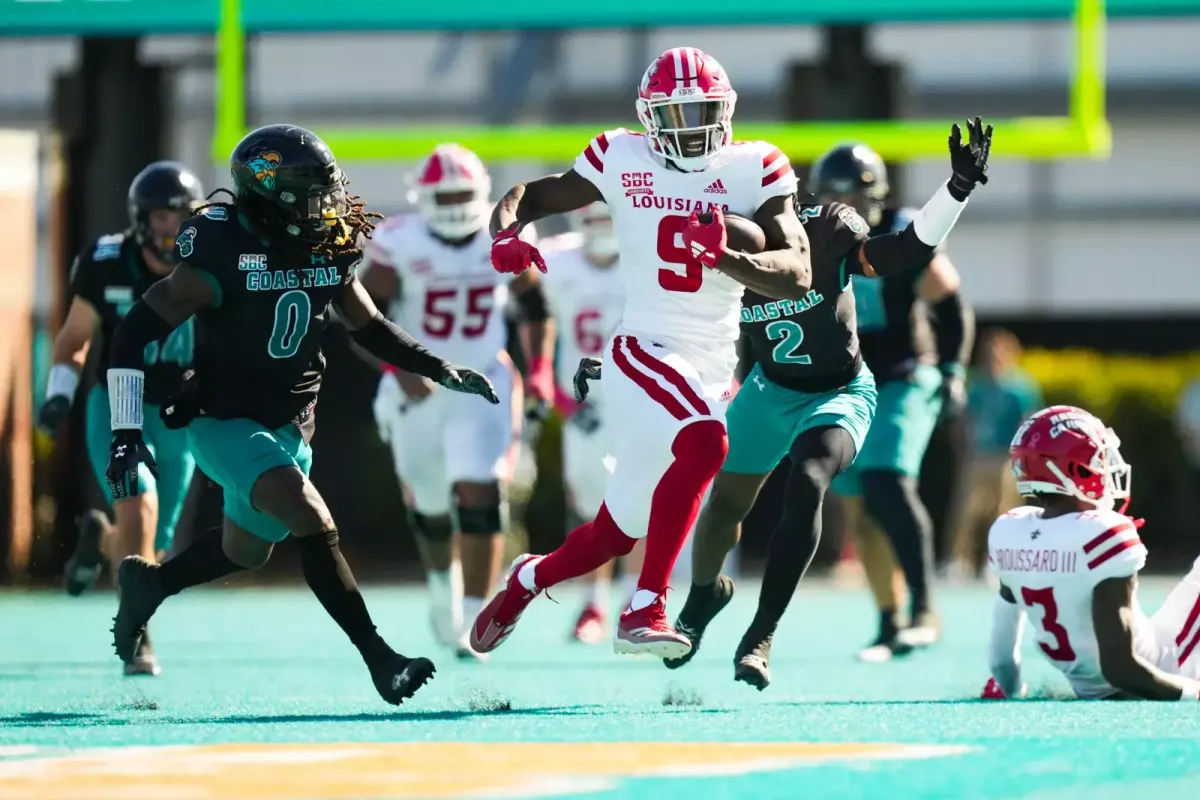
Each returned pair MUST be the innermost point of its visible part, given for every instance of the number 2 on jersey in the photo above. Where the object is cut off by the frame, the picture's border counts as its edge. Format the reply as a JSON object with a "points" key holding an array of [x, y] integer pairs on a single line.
{"points": [[1061, 650], [293, 314], [792, 336], [670, 251]]}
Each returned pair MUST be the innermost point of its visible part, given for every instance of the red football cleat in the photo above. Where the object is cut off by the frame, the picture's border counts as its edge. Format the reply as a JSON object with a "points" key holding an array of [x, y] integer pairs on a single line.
{"points": [[993, 691], [647, 632], [589, 628], [498, 619]]}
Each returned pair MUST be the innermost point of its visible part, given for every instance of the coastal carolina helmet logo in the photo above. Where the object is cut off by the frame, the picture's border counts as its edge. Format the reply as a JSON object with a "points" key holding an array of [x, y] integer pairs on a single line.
{"points": [[263, 166]]}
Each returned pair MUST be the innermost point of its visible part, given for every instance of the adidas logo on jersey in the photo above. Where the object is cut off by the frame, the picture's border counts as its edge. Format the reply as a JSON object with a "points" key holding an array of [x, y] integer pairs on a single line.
{"points": [[716, 187]]}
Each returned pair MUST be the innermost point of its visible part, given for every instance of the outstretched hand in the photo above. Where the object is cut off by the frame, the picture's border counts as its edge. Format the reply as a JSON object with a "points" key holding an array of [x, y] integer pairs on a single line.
{"points": [[468, 381], [969, 161]]}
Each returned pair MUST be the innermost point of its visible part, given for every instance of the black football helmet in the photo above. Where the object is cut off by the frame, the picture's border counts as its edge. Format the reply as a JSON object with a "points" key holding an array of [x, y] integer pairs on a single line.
{"points": [[287, 183], [853, 174], [162, 185]]}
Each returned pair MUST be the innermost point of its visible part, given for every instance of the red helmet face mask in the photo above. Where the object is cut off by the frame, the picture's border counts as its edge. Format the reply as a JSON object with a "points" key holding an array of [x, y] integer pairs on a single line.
{"points": [[686, 104], [1066, 450]]}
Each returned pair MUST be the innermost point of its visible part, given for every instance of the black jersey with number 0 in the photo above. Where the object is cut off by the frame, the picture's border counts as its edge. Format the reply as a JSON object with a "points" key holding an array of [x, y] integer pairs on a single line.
{"points": [[259, 346], [111, 276], [811, 345], [893, 325]]}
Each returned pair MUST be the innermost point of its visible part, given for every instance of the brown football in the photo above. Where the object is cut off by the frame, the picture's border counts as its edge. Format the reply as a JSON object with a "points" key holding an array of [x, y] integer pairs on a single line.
{"points": [[743, 235]]}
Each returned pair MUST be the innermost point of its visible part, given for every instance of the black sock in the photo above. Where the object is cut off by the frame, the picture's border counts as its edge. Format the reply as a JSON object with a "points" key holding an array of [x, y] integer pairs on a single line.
{"points": [[330, 579], [818, 454], [888, 627], [892, 500], [203, 561]]}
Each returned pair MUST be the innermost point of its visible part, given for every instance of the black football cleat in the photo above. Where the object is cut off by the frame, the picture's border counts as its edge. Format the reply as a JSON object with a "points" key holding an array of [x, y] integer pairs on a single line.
{"points": [[397, 678], [701, 608], [140, 594], [84, 565], [752, 661], [924, 630], [145, 663]]}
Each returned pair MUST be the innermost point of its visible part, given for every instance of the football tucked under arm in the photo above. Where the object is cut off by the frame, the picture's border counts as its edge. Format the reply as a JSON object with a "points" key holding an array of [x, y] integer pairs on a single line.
{"points": [[774, 258]]}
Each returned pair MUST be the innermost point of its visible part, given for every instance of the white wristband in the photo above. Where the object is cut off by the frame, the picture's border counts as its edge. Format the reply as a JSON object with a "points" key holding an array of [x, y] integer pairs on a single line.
{"points": [[125, 398], [64, 380], [1191, 691], [933, 222]]}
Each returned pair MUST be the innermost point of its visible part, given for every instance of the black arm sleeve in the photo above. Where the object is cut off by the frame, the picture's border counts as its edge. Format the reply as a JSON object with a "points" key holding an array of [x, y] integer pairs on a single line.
{"points": [[533, 305], [387, 342], [954, 329], [141, 326], [893, 253]]}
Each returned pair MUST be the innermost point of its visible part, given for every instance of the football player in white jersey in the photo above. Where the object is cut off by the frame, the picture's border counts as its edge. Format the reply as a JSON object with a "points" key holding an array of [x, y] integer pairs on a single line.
{"points": [[670, 364], [586, 293], [1069, 562], [432, 272]]}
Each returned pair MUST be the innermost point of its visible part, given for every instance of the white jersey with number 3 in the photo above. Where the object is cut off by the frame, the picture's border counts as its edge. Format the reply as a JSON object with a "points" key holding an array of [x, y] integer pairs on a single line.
{"points": [[669, 296], [1052, 566], [450, 296]]}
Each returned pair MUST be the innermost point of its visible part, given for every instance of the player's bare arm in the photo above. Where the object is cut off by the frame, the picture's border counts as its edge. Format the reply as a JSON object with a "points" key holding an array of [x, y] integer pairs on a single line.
{"points": [[1112, 617], [553, 194], [783, 271]]}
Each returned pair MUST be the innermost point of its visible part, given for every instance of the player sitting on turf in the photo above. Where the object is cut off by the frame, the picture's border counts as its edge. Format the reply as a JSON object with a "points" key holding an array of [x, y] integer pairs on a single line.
{"points": [[672, 359], [811, 398], [432, 271], [262, 275], [585, 291], [916, 332], [1070, 561], [107, 278]]}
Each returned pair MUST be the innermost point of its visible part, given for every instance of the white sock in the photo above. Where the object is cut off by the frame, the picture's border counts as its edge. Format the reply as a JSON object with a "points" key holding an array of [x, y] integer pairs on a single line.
{"points": [[471, 608], [526, 576], [641, 599], [598, 595], [628, 586]]}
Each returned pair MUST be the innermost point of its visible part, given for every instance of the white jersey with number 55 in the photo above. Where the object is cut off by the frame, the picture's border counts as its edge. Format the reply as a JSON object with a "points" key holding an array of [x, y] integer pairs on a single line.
{"points": [[670, 296], [1052, 566]]}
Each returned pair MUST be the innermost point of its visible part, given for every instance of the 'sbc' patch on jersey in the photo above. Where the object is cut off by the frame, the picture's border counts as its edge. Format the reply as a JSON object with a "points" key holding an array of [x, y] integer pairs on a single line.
{"points": [[185, 242]]}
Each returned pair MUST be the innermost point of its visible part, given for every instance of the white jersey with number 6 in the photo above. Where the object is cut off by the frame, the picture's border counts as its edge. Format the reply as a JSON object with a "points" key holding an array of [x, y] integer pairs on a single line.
{"points": [[669, 295], [1052, 566]]}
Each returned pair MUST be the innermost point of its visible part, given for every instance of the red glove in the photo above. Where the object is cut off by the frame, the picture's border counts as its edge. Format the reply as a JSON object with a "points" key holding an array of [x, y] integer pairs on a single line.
{"points": [[993, 691], [705, 240], [541, 377], [511, 254]]}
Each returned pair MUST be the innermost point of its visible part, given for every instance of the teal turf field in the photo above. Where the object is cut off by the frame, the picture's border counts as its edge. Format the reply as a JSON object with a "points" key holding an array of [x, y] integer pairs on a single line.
{"points": [[262, 698]]}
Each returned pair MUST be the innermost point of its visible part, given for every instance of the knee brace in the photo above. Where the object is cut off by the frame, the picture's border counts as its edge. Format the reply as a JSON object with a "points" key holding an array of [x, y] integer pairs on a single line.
{"points": [[433, 529], [482, 521]]}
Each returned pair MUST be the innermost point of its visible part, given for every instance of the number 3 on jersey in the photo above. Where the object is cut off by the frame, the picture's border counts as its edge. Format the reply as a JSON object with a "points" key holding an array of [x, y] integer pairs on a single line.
{"points": [[1061, 650], [293, 313], [672, 251]]}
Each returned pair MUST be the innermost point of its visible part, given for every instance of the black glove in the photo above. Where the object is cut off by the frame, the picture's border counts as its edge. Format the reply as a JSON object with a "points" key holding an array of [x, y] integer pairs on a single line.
{"points": [[468, 381], [54, 413], [127, 453], [589, 370], [586, 418], [179, 411], [953, 393], [969, 161]]}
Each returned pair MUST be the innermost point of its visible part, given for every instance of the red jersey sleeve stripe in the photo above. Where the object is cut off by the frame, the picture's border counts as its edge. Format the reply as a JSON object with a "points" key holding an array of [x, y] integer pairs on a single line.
{"points": [[1187, 625], [594, 159], [672, 376], [602, 142], [771, 157], [1187, 651], [1108, 534], [777, 174], [1119, 547], [649, 385]]}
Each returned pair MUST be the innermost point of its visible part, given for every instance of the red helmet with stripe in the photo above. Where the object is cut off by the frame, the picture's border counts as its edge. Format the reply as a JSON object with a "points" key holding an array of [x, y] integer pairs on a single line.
{"points": [[1066, 450], [686, 103], [451, 189]]}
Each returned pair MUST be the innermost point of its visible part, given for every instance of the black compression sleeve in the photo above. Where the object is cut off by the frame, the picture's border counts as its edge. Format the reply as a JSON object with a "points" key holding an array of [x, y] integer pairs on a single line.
{"points": [[141, 326], [533, 305], [954, 329], [893, 253], [387, 342]]}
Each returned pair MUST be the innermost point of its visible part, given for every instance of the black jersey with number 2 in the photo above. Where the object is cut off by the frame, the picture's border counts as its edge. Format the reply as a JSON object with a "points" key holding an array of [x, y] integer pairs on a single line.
{"points": [[811, 344], [259, 345], [111, 275]]}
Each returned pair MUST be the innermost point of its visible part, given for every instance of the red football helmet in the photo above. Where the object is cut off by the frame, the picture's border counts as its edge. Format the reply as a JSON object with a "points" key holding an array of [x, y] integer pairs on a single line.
{"points": [[452, 189], [1066, 450], [595, 222], [686, 104]]}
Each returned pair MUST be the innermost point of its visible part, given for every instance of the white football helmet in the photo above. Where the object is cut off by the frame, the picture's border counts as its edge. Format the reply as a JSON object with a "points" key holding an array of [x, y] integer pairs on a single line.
{"points": [[595, 222], [451, 189], [685, 102]]}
